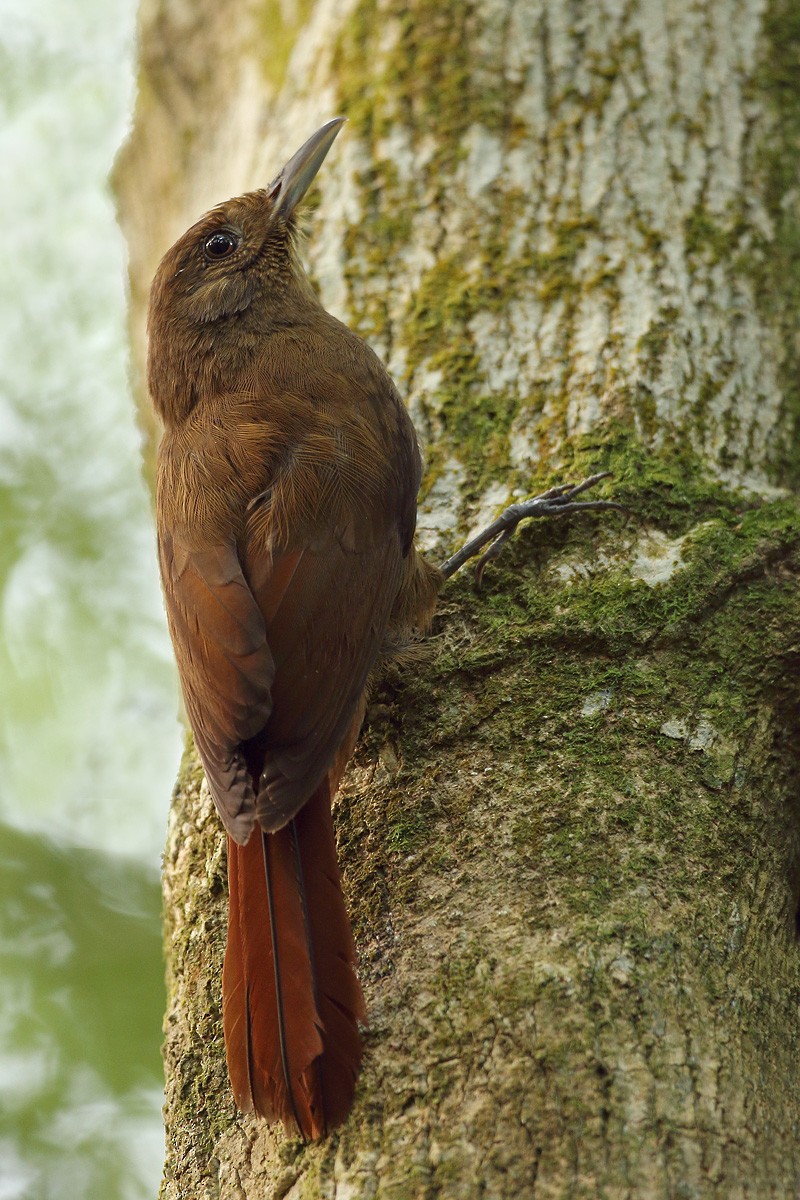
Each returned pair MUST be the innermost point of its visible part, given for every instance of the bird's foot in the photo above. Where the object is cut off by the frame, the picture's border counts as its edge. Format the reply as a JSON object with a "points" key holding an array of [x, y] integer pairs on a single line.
{"points": [[555, 502]]}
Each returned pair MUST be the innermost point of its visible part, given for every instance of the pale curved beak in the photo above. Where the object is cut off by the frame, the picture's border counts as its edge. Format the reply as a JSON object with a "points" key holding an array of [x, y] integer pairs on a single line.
{"points": [[294, 179]]}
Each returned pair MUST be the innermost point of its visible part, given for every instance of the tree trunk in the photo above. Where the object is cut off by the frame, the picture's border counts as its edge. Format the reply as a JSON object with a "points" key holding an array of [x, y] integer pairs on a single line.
{"points": [[570, 835]]}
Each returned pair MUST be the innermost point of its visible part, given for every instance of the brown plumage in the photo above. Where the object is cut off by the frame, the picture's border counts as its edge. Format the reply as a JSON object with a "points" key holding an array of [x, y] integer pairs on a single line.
{"points": [[286, 504]]}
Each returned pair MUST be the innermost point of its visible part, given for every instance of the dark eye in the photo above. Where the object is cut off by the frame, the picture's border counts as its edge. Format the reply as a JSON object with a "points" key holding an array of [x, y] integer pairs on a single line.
{"points": [[221, 244]]}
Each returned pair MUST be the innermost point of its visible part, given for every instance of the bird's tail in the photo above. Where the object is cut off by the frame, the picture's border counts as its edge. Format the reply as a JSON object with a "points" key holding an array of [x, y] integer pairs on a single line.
{"points": [[291, 999]]}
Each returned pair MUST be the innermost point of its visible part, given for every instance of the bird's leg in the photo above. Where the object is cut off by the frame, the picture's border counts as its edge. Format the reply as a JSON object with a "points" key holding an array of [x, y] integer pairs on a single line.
{"points": [[556, 502]]}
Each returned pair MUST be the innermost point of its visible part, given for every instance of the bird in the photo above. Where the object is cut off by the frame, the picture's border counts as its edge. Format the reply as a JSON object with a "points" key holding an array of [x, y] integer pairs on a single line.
{"points": [[286, 493], [287, 480]]}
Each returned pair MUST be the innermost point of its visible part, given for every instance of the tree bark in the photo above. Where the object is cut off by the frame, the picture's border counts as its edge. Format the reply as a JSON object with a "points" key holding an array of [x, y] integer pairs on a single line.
{"points": [[570, 834]]}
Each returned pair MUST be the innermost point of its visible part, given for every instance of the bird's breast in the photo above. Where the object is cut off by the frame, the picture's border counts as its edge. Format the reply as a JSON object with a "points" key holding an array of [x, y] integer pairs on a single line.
{"points": [[286, 465]]}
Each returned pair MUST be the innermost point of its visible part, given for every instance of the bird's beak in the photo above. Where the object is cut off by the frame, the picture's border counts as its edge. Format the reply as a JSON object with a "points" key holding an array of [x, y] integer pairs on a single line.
{"points": [[294, 179]]}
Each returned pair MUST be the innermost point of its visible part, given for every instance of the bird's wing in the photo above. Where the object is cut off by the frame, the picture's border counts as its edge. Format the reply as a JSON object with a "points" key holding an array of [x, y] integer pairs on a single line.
{"points": [[225, 665], [275, 650], [324, 635]]}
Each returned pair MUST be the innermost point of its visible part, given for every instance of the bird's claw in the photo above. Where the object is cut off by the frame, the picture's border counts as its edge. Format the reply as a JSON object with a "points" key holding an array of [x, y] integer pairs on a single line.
{"points": [[492, 552], [555, 502]]}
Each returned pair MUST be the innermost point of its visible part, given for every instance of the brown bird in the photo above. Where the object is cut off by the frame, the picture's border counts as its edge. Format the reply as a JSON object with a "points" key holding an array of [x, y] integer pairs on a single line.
{"points": [[286, 504]]}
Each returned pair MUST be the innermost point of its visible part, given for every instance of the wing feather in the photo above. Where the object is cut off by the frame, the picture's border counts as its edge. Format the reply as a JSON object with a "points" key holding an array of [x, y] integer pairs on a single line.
{"points": [[274, 658], [324, 638]]}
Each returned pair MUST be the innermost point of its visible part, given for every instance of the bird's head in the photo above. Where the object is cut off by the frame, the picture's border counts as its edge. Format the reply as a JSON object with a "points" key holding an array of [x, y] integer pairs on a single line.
{"points": [[240, 256], [238, 248]]}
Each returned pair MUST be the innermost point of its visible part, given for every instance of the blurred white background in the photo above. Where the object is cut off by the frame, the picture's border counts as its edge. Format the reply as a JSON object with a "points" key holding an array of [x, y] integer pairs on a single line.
{"points": [[89, 741]]}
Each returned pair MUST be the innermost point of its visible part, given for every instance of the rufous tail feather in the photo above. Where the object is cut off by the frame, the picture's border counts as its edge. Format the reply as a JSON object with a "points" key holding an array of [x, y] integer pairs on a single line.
{"points": [[291, 1000]]}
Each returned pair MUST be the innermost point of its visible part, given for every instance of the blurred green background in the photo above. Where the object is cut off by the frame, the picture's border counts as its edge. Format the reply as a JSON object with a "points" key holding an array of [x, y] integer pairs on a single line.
{"points": [[89, 741]]}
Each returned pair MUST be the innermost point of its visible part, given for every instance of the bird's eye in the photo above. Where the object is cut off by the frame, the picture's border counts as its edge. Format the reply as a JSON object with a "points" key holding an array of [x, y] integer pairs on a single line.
{"points": [[221, 244]]}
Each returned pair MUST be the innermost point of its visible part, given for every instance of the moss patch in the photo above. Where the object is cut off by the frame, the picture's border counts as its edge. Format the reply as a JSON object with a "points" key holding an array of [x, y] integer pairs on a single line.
{"points": [[684, 668], [278, 26], [775, 262], [434, 45]]}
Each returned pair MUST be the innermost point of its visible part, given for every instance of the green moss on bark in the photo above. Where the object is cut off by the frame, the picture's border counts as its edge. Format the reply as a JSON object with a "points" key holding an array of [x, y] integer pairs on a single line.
{"points": [[599, 825], [691, 657], [278, 26], [774, 263], [431, 43]]}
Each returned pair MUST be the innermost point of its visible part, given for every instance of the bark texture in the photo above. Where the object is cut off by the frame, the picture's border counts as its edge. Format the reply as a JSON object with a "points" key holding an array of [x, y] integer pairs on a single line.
{"points": [[571, 835]]}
